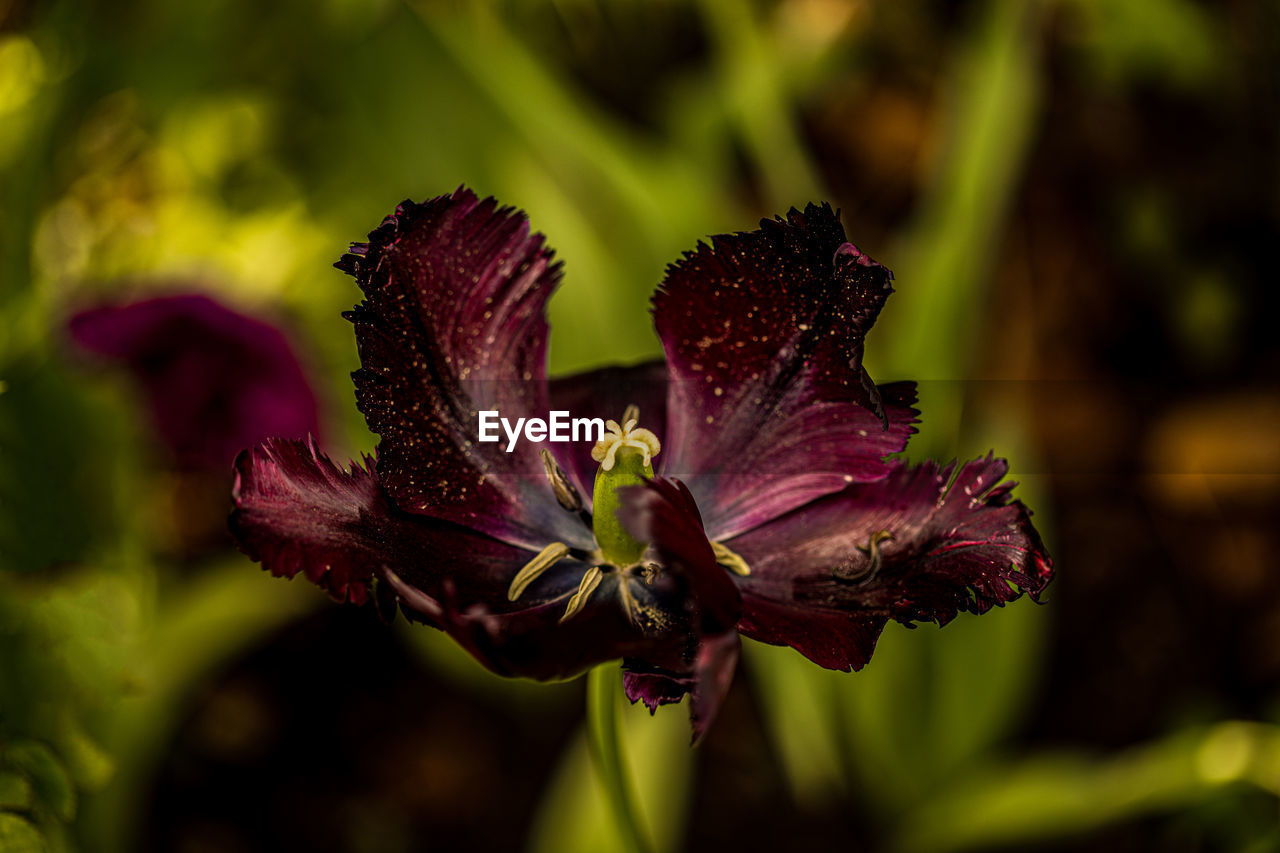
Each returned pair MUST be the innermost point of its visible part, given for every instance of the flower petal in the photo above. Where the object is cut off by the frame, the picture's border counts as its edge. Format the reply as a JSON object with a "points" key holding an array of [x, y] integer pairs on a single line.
{"points": [[532, 642], [605, 394], [295, 511], [821, 449], [453, 323], [216, 381], [708, 681], [654, 688], [298, 512], [764, 336], [715, 665], [920, 545], [663, 512]]}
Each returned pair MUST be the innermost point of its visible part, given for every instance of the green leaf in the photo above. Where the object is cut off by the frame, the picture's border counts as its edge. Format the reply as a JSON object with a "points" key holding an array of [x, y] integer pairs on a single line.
{"points": [[934, 319], [88, 762], [58, 474], [49, 779], [1177, 43], [19, 836], [15, 791], [933, 700], [1053, 796]]}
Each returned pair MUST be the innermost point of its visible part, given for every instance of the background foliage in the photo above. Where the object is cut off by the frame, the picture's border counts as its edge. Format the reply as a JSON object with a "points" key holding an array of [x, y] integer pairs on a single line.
{"points": [[1079, 198]]}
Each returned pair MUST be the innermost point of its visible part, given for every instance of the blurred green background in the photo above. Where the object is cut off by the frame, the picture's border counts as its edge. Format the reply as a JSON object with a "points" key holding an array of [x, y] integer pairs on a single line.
{"points": [[1080, 199]]}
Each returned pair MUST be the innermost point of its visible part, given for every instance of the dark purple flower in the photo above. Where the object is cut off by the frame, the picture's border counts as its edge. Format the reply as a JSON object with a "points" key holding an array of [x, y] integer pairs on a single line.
{"points": [[215, 381], [775, 512]]}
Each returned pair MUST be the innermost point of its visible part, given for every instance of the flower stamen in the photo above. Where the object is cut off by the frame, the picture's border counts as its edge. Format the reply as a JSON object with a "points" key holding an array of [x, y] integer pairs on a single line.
{"points": [[590, 581], [566, 492], [872, 550], [533, 569], [730, 560]]}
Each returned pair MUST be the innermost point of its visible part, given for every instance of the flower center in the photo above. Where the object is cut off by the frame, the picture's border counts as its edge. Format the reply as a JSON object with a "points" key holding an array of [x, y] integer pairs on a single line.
{"points": [[626, 456]]}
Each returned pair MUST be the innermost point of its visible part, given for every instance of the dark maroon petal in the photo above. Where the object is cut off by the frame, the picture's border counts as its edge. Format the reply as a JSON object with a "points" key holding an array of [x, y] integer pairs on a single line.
{"points": [[531, 641], [708, 681], [663, 513], [764, 338], [655, 688], [819, 450], [297, 512], [716, 663], [826, 578], [834, 639], [605, 394], [215, 381], [454, 323]]}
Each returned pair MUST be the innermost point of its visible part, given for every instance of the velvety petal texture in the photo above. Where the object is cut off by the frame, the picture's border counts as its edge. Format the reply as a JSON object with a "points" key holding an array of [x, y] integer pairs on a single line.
{"points": [[764, 334], [216, 381], [920, 545], [453, 323], [295, 511], [298, 513], [801, 461]]}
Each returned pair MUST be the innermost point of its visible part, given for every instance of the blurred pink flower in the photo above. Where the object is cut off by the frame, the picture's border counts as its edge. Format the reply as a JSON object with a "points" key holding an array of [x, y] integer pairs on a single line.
{"points": [[215, 380]]}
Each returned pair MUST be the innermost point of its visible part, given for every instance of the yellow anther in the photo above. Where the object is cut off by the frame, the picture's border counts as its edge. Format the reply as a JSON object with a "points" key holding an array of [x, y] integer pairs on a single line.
{"points": [[730, 560], [533, 569], [566, 493], [590, 581]]}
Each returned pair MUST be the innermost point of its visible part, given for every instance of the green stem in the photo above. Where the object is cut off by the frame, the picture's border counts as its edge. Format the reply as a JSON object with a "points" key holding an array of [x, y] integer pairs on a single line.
{"points": [[603, 737]]}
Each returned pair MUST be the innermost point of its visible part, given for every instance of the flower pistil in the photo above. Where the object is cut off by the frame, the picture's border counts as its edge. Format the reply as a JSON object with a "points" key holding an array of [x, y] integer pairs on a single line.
{"points": [[626, 456]]}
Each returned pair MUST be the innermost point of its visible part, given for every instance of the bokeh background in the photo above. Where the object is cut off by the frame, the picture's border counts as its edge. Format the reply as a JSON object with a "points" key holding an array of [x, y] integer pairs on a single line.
{"points": [[1080, 199]]}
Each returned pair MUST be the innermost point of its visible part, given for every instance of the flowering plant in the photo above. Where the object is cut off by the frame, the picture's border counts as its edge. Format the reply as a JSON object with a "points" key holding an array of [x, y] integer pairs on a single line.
{"points": [[757, 499]]}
